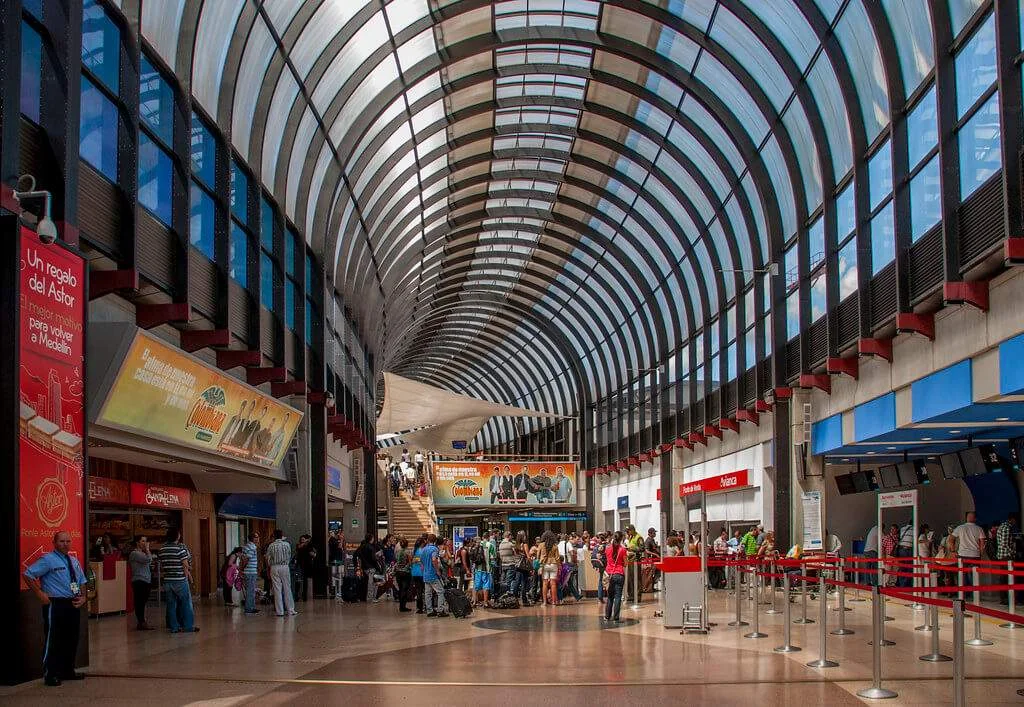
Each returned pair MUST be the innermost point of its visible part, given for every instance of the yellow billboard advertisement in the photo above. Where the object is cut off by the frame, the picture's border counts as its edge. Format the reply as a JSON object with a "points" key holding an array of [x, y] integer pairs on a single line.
{"points": [[504, 483], [163, 392]]}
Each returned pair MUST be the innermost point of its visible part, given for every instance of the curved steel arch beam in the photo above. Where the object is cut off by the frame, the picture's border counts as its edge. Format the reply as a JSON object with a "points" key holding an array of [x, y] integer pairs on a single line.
{"points": [[449, 303]]}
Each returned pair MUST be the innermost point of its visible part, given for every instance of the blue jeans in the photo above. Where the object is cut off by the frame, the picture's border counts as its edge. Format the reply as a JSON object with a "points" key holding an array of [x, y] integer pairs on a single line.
{"points": [[600, 585], [570, 588], [870, 574], [250, 592], [613, 603], [904, 581], [179, 605]]}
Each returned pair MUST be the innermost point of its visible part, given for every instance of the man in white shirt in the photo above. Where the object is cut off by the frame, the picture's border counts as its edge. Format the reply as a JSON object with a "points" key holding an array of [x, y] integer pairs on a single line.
{"points": [[418, 458], [970, 542], [870, 576], [905, 548]]}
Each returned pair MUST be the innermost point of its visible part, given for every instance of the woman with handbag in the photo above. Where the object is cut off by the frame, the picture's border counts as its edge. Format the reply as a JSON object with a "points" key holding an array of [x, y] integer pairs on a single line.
{"points": [[615, 566], [524, 569], [403, 573]]}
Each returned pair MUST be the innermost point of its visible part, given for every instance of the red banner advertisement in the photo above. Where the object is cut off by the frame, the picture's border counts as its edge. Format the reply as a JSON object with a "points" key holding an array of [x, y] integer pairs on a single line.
{"points": [[152, 496], [52, 423], [110, 491], [726, 482]]}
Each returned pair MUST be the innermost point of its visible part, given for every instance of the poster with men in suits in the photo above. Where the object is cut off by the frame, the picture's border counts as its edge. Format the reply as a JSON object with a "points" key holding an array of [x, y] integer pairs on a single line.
{"points": [[504, 483]]}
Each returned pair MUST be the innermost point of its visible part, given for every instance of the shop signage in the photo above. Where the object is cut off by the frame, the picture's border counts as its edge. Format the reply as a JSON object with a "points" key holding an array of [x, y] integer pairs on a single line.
{"points": [[51, 426], [160, 391], [459, 444], [622, 503], [112, 491], [152, 496], [504, 484], [713, 484], [549, 515], [897, 499]]}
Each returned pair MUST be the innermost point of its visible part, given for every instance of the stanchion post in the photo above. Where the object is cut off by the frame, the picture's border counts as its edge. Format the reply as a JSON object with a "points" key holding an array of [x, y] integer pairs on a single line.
{"points": [[880, 638], [773, 611], [840, 603], [935, 656], [977, 640], [958, 653], [960, 576], [739, 602], [927, 625], [755, 633], [787, 630], [842, 630], [1013, 596], [636, 586], [803, 604], [876, 691], [856, 592], [822, 661]]}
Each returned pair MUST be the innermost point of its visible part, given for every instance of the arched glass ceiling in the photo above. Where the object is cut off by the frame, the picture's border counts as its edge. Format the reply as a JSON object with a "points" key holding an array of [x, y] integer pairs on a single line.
{"points": [[534, 199]]}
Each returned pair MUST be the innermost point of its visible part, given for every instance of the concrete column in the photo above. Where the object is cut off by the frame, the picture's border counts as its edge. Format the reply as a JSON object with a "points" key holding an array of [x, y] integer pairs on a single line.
{"points": [[294, 508]]}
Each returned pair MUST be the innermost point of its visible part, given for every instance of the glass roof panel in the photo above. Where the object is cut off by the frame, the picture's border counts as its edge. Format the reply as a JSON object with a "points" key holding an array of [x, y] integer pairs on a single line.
{"points": [[284, 98], [728, 88], [789, 26], [857, 38], [911, 28], [366, 41], [208, 65], [740, 41], [259, 49], [829, 99], [161, 23], [329, 19]]}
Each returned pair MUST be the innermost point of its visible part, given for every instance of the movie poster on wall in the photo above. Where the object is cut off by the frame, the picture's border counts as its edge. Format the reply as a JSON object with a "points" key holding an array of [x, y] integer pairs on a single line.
{"points": [[51, 382], [504, 483]]}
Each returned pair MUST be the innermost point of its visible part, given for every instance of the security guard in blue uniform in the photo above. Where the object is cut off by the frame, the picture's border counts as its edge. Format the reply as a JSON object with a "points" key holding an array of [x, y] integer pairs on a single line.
{"points": [[58, 581]]}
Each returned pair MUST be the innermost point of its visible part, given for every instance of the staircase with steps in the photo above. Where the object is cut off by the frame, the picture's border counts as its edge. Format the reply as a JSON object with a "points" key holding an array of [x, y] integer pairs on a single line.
{"points": [[411, 516]]}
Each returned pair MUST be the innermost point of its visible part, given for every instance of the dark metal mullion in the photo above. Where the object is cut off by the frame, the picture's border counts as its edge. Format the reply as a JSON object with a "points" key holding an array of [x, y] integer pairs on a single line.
{"points": [[949, 153], [10, 97], [1008, 47]]}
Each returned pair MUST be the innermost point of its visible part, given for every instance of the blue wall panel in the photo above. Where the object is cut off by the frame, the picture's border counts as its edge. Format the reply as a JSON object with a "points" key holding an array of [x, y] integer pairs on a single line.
{"points": [[827, 434], [1011, 365], [941, 392], [875, 417]]}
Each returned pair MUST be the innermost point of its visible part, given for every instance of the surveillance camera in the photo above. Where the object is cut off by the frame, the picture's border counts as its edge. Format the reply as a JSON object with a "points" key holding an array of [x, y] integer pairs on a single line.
{"points": [[47, 231]]}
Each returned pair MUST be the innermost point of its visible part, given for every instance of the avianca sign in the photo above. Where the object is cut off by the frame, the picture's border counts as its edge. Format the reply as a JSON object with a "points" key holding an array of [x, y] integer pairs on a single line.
{"points": [[713, 484]]}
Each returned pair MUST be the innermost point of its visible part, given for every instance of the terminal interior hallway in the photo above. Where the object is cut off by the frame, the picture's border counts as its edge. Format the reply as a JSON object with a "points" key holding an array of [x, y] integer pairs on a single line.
{"points": [[359, 654]]}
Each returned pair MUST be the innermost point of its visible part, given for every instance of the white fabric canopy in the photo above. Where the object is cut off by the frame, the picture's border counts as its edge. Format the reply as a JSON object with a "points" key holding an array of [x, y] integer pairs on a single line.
{"points": [[409, 405], [439, 439]]}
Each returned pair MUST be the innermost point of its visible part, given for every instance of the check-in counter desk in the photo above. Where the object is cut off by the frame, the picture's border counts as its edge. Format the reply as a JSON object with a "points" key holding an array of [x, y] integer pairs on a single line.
{"points": [[111, 594], [684, 584]]}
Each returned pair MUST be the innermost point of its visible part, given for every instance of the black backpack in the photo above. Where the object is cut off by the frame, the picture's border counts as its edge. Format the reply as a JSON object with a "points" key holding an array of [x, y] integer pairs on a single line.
{"points": [[476, 555]]}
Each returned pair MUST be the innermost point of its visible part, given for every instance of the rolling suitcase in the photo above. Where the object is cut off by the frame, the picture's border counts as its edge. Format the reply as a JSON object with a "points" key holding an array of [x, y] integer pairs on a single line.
{"points": [[458, 603]]}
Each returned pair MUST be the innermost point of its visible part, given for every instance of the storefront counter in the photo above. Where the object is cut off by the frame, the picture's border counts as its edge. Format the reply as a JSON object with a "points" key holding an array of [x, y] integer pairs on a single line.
{"points": [[111, 589]]}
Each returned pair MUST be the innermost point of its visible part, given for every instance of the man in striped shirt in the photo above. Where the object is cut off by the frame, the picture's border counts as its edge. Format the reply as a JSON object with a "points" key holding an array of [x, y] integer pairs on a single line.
{"points": [[279, 553], [176, 572], [251, 571]]}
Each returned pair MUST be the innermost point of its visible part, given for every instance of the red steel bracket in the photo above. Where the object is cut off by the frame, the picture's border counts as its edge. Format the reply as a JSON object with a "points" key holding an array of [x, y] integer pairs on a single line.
{"points": [[148, 316], [728, 424], [911, 323], [226, 360], [713, 431], [743, 415], [257, 376], [821, 381], [195, 339], [875, 347], [974, 293], [103, 282], [843, 366]]}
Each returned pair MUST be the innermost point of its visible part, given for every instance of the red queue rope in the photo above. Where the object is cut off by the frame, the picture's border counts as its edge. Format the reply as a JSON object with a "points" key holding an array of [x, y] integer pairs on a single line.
{"points": [[906, 596], [994, 613]]}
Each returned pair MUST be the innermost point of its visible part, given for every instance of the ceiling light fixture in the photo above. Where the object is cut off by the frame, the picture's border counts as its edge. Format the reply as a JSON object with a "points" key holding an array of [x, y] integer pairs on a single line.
{"points": [[1002, 419], [926, 439]]}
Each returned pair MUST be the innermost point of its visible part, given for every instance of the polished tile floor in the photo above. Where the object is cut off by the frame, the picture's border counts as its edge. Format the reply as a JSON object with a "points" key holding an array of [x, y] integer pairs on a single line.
{"points": [[371, 654]]}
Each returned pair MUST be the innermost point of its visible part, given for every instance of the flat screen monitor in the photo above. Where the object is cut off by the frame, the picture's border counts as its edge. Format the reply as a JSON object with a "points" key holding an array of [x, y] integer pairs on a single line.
{"points": [[845, 485], [862, 481], [989, 455], [889, 477], [973, 461], [912, 473], [951, 466]]}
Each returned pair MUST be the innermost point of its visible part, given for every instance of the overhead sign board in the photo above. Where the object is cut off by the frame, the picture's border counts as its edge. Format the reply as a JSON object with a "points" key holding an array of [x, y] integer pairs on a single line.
{"points": [[162, 392], [897, 499], [714, 484], [504, 484], [459, 444], [111, 491], [153, 496]]}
